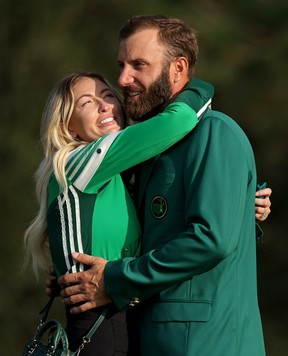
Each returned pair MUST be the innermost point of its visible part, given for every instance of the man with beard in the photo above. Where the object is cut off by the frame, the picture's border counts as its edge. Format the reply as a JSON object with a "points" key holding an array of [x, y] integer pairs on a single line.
{"points": [[194, 284], [152, 97]]}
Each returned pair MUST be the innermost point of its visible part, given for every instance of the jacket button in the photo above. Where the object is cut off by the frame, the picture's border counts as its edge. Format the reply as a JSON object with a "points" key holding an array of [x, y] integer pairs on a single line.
{"points": [[134, 302]]}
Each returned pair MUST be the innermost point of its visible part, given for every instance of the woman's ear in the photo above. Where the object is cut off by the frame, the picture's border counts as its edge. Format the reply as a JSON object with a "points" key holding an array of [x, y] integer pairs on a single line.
{"points": [[72, 132]]}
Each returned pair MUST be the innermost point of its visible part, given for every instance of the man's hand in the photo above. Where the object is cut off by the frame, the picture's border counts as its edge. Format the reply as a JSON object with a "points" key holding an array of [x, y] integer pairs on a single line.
{"points": [[88, 287], [262, 208]]}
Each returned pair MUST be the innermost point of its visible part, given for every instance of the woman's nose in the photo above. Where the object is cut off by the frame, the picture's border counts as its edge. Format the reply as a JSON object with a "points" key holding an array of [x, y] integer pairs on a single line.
{"points": [[104, 106]]}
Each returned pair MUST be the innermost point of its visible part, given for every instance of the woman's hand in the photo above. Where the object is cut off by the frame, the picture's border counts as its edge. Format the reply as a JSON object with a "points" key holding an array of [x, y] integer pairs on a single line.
{"points": [[262, 204]]}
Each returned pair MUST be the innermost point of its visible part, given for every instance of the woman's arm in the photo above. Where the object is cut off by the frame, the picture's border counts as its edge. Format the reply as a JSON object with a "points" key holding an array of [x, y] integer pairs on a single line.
{"points": [[139, 142]]}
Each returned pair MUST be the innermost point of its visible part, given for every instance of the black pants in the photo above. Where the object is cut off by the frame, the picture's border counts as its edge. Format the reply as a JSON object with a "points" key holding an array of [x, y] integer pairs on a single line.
{"points": [[110, 339]]}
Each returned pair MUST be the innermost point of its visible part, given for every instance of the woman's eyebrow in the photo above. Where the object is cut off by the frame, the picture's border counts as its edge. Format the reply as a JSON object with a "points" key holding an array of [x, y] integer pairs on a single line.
{"points": [[89, 95], [106, 90]]}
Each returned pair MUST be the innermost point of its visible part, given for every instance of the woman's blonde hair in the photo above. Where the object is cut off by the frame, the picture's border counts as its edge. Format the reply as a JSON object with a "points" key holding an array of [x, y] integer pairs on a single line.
{"points": [[57, 143]]}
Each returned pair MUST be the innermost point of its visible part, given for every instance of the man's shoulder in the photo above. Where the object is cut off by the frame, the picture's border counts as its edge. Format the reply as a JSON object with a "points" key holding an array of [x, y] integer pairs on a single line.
{"points": [[215, 127], [215, 116], [213, 119]]}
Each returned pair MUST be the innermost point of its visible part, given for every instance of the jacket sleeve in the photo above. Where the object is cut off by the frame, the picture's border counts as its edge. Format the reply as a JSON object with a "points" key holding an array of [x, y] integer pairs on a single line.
{"points": [[99, 161], [218, 172], [117, 152]]}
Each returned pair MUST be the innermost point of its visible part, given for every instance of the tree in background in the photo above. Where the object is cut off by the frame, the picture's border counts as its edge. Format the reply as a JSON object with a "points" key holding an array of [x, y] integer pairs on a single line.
{"points": [[243, 52]]}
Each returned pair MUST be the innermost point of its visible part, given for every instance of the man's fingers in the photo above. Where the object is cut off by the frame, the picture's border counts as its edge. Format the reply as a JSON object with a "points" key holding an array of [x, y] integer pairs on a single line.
{"points": [[75, 299], [75, 289], [96, 263], [71, 278], [84, 259], [83, 307]]}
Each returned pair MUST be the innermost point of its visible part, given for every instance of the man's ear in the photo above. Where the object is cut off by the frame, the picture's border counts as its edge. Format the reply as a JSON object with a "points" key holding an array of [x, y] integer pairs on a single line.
{"points": [[179, 69]]}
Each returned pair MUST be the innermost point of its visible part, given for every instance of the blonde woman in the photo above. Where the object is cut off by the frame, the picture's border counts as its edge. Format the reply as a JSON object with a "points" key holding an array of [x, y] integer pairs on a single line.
{"points": [[84, 204]]}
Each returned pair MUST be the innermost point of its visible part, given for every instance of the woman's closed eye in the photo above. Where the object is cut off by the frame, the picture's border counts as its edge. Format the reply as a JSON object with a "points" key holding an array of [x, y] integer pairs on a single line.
{"points": [[85, 102]]}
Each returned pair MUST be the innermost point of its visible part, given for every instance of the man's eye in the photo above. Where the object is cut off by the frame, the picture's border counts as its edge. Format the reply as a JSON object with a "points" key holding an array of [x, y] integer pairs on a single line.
{"points": [[139, 65], [120, 65]]}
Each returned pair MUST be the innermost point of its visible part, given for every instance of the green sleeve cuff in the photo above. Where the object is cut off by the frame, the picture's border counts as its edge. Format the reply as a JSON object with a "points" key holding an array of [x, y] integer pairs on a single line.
{"points": [[196, 94]]}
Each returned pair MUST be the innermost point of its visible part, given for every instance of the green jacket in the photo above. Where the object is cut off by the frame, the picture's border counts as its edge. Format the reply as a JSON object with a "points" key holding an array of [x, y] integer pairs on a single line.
{"points": [[195, 283], [97, 216]]}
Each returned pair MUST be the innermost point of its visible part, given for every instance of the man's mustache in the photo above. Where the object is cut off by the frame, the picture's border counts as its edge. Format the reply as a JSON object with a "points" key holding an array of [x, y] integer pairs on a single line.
{"points": [[132, 89]]}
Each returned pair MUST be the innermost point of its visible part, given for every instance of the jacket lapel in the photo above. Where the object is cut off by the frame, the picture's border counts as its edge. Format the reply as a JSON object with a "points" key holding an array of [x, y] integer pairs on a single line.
{"points": [[142, 179]]}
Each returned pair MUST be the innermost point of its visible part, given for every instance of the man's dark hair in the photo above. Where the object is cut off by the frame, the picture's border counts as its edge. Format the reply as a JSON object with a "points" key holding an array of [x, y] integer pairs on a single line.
{"points": [[178, 39]]}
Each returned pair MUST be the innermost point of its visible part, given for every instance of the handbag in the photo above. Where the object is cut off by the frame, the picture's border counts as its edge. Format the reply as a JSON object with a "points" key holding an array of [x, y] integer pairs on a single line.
{"points": [[51, 338]]}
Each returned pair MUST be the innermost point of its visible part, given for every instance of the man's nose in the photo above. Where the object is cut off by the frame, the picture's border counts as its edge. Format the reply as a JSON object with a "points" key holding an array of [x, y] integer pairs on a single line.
{"points": [[125, 78]]}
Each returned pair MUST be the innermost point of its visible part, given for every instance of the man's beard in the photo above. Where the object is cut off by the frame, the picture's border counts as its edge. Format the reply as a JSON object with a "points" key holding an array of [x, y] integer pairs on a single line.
{"points": [[149, 102]]}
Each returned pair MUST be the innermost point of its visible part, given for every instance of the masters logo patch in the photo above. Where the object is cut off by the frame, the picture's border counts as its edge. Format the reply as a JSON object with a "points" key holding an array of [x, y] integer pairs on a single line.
{"points": [[159, 207]]}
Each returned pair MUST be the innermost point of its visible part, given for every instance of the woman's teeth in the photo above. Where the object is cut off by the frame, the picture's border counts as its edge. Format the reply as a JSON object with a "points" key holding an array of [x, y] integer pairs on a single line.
{"points": [[108, 119]]}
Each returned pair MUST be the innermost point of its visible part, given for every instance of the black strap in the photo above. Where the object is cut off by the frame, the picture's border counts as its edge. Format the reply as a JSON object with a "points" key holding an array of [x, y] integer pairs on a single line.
{"points": [[92, 330], [46, 309]]}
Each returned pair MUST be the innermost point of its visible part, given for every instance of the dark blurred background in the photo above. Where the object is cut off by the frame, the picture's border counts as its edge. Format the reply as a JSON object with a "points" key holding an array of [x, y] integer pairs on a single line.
{"points": [[243, 52]]}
